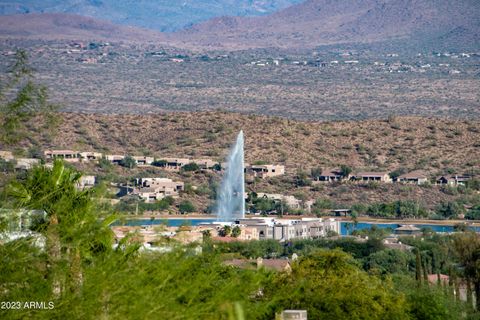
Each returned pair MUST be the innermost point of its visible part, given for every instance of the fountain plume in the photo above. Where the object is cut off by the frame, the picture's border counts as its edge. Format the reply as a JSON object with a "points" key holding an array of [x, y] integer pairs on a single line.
{"points": [[230, 196]]}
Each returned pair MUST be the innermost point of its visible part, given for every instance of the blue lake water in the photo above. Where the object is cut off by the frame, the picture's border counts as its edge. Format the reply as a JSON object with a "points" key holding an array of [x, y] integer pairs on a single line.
{"points": [[168, 222], [346, 228]]}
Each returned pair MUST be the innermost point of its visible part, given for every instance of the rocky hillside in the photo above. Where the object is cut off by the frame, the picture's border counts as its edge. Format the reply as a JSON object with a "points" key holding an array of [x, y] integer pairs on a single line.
{"points": [[432, 144], [50, 26], [325, 22]]}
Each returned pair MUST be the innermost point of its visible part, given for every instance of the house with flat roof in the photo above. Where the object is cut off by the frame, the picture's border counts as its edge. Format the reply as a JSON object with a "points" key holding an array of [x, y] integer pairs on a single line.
{"points": [[414, 177], [205, 164], [173, 164], [265, 171], [452, 180], [143, 160], [90, 156], [372, 176], [293, 315], [288, 229], [66, 155], [331, 175], [408, 230], [153, 189], [114, 158]]}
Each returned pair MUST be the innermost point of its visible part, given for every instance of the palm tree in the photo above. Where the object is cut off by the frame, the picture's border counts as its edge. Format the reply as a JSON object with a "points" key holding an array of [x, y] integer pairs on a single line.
{"points": [[72, 231]]}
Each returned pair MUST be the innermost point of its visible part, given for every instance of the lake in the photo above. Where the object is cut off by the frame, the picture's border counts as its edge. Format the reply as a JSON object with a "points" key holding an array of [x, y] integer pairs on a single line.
{"points": [[346, 228]]}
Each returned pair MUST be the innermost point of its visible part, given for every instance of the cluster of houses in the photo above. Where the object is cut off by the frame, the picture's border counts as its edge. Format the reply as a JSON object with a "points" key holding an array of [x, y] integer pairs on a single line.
{"points": [[250, 229], [415, 177], [171, 164]]}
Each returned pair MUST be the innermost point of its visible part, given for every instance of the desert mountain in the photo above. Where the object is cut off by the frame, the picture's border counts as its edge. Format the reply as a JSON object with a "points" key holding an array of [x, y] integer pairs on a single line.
{"points": [[161, 15], [324, 22], [49, 26]]}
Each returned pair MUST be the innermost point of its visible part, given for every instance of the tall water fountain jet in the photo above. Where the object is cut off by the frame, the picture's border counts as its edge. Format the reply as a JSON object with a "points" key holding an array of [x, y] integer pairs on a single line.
{"points": [[230, 197]]}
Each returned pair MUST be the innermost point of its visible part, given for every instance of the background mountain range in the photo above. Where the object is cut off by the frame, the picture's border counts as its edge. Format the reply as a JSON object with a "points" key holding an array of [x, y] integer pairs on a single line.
{"points": [[284, 24], [161, 15]]}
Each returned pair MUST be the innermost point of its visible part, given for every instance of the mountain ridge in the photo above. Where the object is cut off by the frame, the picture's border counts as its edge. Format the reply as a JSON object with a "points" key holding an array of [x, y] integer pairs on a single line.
{"points": [[160, 15], [325, 22]]}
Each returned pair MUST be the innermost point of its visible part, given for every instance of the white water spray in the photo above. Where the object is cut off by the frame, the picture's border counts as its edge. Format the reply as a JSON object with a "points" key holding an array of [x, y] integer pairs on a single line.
{"points": [[230, 197]]}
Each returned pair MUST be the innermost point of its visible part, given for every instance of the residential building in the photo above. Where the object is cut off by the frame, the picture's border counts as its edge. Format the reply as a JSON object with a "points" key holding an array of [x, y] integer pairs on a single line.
{"points": [[452, 180], [293, 315], [205, 163], [152, 189], [331, 175], [143, 160], [395, 243], [408, 230], [90, 156], [174, 164], [86, 182], [372, 176], [114, 158], [415, 177], [265, 171], [288, 229], [66, 155]]}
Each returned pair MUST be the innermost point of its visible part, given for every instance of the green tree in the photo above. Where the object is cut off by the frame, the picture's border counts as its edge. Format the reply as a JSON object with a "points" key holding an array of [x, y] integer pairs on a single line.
{"points": [[225, 231], [389, 261], [345, 170], [29, 100], [329, 285], [186, 207], [236, 231], [128, 162], [72, 229], [192, 166]]}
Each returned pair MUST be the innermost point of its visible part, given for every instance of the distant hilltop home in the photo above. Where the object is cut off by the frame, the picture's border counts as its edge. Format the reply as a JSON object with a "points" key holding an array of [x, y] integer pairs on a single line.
{"points": [[153, 189], [173, 164], [66, 155], [265, 171], [415, 177], [143, 160], [91, 156], [71, 155], [332, 175], [205, 164], [114, 158], [452, 180], [372, 176]]}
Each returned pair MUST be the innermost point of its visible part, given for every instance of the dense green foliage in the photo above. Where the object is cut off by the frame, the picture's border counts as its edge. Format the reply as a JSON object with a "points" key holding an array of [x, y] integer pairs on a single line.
{"points": [[87, 278]]}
